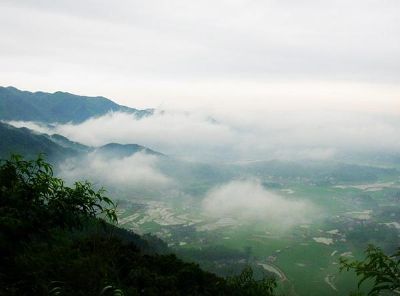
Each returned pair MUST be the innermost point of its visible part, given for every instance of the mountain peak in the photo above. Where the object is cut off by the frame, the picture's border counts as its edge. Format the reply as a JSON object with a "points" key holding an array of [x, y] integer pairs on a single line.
{"points": [[125, 150], [57, 107]]}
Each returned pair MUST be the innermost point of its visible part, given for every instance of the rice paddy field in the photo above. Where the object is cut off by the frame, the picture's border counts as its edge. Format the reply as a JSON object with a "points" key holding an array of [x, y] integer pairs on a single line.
{"points": [[304, 258]]}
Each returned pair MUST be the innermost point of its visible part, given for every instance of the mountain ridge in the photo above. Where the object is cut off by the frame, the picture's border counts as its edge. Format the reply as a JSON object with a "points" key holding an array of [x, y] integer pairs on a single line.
{"points": [[61, 107], [125, 150], [31, 143]]}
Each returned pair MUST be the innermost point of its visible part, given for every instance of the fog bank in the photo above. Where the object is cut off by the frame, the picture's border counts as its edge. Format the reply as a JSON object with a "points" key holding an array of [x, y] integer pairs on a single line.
{"points": [[249, 201], [234, 136], [138, 171]]}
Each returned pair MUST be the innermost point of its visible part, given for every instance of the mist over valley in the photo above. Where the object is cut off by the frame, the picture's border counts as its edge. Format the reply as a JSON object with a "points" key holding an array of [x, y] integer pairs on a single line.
{"points": [[241, 148], [271, 189]]}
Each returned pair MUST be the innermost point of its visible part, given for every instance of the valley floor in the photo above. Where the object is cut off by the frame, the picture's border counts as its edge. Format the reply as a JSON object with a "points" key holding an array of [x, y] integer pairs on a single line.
{"points": [[304, 258]]}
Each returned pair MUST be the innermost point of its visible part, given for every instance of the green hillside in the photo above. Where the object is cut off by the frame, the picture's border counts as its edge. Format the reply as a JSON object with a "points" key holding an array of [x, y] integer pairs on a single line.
{"points": [[25, 142], [58, 240], [59, 107]]}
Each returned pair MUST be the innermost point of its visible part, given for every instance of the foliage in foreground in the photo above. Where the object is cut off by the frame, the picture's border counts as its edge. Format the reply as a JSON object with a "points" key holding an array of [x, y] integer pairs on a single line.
{"points": [[381, 269], [57, 240], [245, 282]]}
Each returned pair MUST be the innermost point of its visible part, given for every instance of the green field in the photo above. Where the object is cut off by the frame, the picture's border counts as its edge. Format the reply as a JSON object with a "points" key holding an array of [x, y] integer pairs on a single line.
{"points": [[351, 216]]}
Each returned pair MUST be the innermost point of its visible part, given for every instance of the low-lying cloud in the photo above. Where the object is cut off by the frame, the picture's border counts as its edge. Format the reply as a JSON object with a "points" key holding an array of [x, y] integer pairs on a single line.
{"points": [[247, 200], [228, 136], [138, 171]]}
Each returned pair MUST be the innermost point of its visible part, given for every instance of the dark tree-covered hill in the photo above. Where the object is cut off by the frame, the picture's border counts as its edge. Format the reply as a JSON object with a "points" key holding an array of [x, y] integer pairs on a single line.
{"points": [[56, 147], [59, 107], [26, 142], [59, 240]]}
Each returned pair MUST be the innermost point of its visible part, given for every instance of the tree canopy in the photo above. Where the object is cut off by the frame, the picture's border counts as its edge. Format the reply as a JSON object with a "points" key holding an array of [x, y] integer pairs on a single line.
{"points": [[61, 240], [377, 267]]}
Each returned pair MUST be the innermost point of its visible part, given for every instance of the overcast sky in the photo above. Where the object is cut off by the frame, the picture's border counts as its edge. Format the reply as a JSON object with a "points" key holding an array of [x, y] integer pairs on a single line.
{"points": [[207, 54]]}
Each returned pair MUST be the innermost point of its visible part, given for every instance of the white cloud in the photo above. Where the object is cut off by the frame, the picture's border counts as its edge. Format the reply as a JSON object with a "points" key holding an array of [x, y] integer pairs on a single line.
{"points": [[138, 171], [147, 53], [35, 126], [247, 200], [231, 136]]}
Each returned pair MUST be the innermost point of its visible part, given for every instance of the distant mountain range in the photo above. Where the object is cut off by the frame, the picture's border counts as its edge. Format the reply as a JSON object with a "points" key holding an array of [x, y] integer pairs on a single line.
{"points": [[56, 147], [29, 144], [124, 150], [61, 107]]}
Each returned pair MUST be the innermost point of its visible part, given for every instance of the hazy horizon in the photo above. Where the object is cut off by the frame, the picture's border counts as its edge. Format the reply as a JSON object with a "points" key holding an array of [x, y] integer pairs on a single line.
{"points": [[185, 55], [272, 143]]}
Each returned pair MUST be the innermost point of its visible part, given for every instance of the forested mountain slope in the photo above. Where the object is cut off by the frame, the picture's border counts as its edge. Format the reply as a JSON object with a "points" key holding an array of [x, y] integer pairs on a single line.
{"points": [[26, 142], [58, 107], [29, 143], [58, 240]]}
